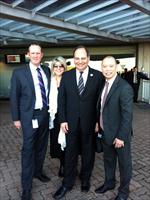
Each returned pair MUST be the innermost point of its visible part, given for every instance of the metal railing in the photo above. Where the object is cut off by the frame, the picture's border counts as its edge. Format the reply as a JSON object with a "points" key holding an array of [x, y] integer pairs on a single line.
{"points": [[146, 91]]}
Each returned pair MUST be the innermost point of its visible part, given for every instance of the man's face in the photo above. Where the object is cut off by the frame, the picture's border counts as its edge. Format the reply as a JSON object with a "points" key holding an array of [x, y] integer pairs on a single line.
{"points": [[135, 69], [81, 59], [109, 68], [35, 54]]}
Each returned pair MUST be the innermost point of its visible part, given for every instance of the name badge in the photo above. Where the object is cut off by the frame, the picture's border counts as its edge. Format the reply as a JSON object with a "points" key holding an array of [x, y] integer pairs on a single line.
{"points": [[35, 123]]}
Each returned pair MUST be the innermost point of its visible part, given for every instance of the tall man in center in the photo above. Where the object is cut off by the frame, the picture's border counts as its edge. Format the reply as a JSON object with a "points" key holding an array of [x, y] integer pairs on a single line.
{"points": [[77, 100]]}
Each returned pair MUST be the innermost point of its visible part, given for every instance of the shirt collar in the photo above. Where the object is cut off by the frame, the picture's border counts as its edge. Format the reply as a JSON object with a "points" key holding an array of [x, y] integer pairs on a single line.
{"points": [[110, 81], [86, 70], [33, 67]]}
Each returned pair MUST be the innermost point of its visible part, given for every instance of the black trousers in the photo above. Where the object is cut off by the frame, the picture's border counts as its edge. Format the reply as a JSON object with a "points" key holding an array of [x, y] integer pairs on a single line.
{"points": [[34, 148], [78, 142], [123, 155], [136, 90], [55, 148]]}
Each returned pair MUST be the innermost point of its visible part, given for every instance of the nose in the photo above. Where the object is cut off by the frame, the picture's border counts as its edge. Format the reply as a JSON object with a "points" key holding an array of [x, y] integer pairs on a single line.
{"points": [[80, 60]]}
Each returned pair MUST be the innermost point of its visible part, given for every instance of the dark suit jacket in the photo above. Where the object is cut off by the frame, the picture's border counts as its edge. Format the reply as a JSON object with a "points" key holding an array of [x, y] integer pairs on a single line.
{"points": [[72, 107], [140, 75], [23, 94], [117, 111]]}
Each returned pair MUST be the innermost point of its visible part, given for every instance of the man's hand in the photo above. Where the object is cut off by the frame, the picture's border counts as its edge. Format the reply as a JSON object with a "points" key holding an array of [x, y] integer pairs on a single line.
{"points": [[96, 128], [118, 143], [64, 127], [17, 125]]}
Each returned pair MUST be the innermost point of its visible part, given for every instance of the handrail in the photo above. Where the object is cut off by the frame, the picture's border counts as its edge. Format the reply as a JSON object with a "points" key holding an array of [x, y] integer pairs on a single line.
{"points": [[146, 91]]}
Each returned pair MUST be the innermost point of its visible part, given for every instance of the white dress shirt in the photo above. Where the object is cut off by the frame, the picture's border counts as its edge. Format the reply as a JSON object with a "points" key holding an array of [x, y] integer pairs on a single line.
{"points": [[84, 75], [135, 77], [110, 81], [38, 102]]}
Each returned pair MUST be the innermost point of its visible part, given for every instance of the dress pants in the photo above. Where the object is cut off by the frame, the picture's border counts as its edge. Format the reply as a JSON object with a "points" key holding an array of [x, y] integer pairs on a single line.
{"points": [[73, 149], [136, 90], [34, 147], [123, 155]]}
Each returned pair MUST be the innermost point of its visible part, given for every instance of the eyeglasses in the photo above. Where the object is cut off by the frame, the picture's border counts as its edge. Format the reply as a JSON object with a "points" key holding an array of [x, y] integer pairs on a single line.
{"points": [[58, 66]]}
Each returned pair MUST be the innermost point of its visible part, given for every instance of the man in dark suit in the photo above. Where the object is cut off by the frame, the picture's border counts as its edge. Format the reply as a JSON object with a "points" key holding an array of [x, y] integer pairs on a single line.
{"points": [[115, 107], [77, 100], [134, 77], [29, 107]]}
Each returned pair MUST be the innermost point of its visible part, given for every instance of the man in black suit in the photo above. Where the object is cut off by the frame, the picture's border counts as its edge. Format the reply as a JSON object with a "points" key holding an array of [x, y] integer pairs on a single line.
{"points": [[29, 107], [115, 107], [134, 77], [77, 100]]}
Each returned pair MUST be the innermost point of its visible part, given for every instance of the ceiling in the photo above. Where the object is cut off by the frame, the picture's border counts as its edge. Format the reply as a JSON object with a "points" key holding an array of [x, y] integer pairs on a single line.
{"points": [[72, 22]]}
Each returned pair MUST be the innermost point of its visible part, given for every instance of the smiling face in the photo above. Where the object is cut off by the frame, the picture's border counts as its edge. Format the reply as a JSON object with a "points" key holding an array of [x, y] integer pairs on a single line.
{"points": [[81, 59], [58, 69], [109, 67], [35, 54]]}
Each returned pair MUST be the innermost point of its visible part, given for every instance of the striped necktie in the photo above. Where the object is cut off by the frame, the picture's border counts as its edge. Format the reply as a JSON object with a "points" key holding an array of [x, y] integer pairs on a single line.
{"points": [[81, 84], [42, 88]]}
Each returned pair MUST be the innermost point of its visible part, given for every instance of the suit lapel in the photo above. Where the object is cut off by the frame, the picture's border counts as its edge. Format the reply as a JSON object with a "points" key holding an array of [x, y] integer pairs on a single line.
{"points": [[99, 98], [74, 80], [45, 71], [112, 89], [29, 78], [88, 82], [47, 75]]}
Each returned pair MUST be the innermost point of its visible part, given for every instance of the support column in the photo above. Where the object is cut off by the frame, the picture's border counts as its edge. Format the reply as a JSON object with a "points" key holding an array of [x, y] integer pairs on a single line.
{"points": [[143, 62]]}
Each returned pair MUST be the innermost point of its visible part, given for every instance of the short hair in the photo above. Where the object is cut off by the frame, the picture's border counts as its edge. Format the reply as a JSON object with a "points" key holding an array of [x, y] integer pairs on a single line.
{"points": [[81, 47], [35, 44], [109, 57], [59, 59]]}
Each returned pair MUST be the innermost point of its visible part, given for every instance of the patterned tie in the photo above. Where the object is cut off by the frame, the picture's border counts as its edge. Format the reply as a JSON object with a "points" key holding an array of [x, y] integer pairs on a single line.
{"points": [[42, 88], [103, 103], [81, 84]]}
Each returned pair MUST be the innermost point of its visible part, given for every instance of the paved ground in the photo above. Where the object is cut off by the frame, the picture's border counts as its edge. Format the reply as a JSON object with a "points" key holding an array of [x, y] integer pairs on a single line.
{"points": [[10, 146]]}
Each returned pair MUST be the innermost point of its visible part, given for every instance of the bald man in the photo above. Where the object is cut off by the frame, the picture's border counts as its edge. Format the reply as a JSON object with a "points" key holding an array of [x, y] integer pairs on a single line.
{"points": [[115, 107]]}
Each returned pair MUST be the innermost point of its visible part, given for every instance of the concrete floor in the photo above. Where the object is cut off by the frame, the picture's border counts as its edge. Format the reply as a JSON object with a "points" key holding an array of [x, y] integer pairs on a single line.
{"points": [[10, 146]]}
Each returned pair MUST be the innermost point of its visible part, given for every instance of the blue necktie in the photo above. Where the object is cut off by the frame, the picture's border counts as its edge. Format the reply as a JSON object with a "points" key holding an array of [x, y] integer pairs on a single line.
{"points": [[81, 84], [42, 88]]}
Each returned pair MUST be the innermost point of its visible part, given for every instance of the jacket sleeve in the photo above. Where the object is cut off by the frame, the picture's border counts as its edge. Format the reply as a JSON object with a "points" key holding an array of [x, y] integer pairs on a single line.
{"points": [[143, 76], [126, 106], [15, 93], [62, 101]]}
